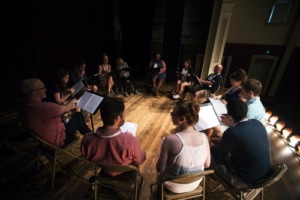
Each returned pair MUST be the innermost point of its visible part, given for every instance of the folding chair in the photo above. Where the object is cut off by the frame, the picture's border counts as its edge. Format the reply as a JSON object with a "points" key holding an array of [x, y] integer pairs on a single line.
{"points": [[273, 175], [53, 152], [183, 179], [130, 180]]}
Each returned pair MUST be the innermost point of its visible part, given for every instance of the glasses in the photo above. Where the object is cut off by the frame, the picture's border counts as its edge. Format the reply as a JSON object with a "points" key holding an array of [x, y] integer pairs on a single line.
{"points": [[43, 88], [173, 114]]}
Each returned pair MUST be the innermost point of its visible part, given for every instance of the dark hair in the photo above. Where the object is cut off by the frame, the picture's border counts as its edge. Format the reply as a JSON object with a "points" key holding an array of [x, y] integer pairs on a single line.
{"points": [[60, 74], [110, 108], [253, 85], [239, 75], [188, 109], [237, 109], [189, 61], [81, 62]]}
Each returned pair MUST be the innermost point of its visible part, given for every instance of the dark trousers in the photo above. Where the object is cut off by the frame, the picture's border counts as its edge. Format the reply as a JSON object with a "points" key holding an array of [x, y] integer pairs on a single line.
{"points": [[77, 122], [125, 85]]}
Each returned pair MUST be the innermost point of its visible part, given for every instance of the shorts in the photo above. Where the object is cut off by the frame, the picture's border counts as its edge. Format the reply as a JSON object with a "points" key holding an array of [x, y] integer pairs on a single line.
{"points": [[159, 76]]}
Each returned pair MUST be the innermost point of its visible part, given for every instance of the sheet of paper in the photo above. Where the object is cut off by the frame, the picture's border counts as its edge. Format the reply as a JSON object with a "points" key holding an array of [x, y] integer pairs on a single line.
{"points": [[129, 127], [89, 102], [207, 117], [78, 86], [219, 106]]}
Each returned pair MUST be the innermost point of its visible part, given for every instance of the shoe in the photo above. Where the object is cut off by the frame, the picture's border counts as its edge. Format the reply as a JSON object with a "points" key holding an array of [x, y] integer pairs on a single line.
{"points": [[126, 94], [135, 92], [176, 96]]}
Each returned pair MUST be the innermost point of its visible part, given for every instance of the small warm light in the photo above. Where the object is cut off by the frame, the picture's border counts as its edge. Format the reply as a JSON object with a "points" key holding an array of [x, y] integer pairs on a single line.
{"points": [[279, 126], [273, 120], [293, 140], [268, 114], [297, 148], [286, 132]]}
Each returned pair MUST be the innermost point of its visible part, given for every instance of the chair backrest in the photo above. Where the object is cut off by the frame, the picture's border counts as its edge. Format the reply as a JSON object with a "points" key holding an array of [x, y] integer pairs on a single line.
{"points": [[55, 148], [272, 176]]}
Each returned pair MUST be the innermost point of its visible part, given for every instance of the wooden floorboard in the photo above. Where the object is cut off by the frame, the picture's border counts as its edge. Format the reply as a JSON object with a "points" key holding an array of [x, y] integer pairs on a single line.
{"points": [[154, 122]]}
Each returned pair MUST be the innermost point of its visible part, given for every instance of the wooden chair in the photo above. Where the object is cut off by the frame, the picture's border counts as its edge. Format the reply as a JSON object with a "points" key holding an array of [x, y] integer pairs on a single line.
{"points": [[183, 179], [130, 180], [53, 153], [272, 176]]}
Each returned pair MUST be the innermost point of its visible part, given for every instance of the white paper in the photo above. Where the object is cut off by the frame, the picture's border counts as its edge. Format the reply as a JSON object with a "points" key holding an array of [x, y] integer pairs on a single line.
{"points": [[129, 127], [89, 102], [219, 106], [77, 87], [207, 117]]}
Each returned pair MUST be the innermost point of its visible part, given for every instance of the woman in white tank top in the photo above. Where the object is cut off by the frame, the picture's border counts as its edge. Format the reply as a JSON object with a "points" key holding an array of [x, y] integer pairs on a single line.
{"points": [[185, 152]]}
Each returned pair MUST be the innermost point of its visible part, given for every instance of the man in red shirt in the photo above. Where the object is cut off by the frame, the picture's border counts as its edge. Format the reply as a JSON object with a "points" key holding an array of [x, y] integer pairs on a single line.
{"points": [[44, 118], [109, 145]]}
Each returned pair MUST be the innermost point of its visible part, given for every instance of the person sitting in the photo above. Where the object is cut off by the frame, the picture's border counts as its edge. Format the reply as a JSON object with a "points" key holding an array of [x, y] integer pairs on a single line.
{"points": [[243, 155], [157, 68], [108, 144], [58, 91], [124, 74], [185, 152], [105, 74], [237, 78], [44, 118], [211, 84], [184, 78], [250, 92], [78, 74]]}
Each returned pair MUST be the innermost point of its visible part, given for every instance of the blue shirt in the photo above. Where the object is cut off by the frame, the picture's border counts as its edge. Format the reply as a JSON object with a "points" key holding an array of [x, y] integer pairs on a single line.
{"points": [[256, 109]]}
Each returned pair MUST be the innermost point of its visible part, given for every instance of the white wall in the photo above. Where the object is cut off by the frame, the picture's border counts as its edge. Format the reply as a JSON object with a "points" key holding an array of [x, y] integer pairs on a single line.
{"points": [[248, 24]]}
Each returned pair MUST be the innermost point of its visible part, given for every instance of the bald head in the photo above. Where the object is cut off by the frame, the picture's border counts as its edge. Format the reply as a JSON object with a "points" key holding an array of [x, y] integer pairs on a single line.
{"points": [[29, 85], [218, 68]]}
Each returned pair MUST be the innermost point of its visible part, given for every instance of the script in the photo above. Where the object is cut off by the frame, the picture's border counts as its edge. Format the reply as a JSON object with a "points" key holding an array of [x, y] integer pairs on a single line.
{"points": [[77, 87], [129, 127], [89, 102], [219, 106], [210, 114]]}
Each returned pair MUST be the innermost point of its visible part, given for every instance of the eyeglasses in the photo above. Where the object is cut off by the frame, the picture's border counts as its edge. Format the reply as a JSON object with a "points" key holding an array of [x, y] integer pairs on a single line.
{"points": [[39, 89], [173, 114]]}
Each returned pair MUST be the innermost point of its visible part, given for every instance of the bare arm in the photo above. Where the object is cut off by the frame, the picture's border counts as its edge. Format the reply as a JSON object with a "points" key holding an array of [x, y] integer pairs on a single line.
{"points": [[208, 158], [164, 67], [163, 157], [69, 106], [62, 100]]}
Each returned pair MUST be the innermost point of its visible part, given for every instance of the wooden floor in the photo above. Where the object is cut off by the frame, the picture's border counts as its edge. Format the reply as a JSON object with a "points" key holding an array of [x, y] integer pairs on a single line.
{"points": [[152, 114]]}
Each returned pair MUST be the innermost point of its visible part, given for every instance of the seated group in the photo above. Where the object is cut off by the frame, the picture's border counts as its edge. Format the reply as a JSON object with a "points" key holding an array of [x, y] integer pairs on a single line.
{"points": [[186, 151], [105, 80]]}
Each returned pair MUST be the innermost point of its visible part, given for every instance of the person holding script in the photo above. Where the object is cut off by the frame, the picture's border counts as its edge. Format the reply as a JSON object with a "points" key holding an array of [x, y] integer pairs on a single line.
{"points": [[44, 118], [109, 144]]}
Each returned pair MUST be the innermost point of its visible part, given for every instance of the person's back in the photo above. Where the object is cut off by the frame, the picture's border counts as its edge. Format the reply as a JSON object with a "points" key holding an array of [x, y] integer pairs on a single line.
{"points": [[109, 145], [186, 151], [248, 145], [250, 153]]}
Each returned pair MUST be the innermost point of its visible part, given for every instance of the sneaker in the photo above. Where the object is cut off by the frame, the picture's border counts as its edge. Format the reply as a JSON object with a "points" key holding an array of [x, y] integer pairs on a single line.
{"points": [[135, 92], [176, 96], [126, 94]]}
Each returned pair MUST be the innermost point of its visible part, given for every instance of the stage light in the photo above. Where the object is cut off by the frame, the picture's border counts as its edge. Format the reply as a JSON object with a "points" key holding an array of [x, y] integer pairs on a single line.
{"points": [[268, 114], [279, 126], [286, 132], [293, 139], [297, 148], [273, 120]]}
